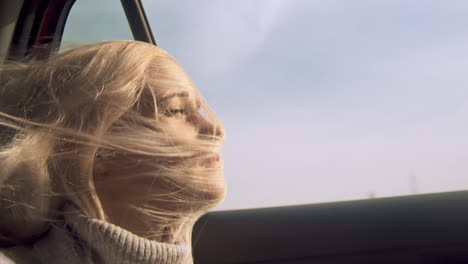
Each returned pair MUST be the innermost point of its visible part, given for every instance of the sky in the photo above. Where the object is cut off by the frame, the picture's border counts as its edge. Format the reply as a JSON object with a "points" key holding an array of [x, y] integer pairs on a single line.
{"points": [[322, 100]]}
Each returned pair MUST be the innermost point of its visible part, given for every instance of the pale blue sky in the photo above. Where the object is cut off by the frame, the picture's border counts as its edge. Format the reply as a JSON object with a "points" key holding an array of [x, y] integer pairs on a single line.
{"points": [[322, 100]]}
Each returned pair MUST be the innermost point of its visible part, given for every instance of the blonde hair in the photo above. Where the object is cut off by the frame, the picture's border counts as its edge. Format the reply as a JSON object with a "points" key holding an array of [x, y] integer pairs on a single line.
{"points": [[66, 120]]}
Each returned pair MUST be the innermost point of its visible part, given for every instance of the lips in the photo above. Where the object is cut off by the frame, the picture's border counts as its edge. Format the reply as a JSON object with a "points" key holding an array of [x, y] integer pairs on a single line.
{"points": [[211, 161]]}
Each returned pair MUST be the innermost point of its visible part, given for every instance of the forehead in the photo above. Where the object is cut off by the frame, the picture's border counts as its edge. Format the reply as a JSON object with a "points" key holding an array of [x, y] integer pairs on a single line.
{"points": [[172, 81]]}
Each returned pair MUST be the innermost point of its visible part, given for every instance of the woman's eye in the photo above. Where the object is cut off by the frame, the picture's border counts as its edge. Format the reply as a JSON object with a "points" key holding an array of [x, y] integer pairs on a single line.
{"points": [[175, 112]]}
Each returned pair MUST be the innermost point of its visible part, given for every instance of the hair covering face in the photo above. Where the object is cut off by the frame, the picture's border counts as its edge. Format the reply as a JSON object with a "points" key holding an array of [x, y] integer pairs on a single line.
{"points": [[110, 126]]}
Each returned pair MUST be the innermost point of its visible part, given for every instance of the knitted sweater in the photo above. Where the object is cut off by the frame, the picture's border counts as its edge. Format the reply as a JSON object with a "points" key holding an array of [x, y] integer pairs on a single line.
{"points": [[84, 240]]}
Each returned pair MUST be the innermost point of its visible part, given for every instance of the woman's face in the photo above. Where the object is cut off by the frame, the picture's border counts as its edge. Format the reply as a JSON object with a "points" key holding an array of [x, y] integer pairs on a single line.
{"points": [[172, 105], [179, 112]]}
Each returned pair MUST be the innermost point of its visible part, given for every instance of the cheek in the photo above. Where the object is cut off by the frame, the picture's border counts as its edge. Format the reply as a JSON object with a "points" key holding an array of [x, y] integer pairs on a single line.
{"points": [[180, 131]]}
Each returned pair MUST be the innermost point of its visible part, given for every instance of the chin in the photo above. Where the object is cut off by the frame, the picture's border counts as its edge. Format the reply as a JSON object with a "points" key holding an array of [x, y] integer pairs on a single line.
{"points": [[213, 190]]}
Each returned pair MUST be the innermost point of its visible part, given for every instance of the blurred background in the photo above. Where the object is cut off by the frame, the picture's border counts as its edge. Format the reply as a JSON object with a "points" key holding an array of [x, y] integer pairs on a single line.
{"points": [[322, 100]]}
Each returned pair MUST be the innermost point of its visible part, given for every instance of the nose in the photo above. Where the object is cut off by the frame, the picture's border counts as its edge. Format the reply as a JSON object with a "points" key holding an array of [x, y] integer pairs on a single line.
{"points": [[206, 127]]}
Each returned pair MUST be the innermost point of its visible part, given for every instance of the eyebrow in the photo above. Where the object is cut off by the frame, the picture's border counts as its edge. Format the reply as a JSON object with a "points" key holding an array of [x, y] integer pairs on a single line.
{"points": [[181, 94]]}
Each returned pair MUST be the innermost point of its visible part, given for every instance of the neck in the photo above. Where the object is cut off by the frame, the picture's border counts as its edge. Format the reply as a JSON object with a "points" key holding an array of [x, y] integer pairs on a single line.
{"points": [[157, 224]]}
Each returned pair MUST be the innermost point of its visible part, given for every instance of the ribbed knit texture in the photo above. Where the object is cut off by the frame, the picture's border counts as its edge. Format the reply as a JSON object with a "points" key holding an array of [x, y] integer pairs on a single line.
{"points": [[117, 245], [94, 241]]}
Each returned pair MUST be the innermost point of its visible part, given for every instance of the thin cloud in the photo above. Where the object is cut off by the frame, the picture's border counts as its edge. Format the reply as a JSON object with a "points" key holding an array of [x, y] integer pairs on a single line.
{"points": [[212, 37]]}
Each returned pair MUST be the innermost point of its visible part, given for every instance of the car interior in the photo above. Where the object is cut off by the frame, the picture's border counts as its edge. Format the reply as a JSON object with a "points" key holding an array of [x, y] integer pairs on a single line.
{"points": [[425, 228]]}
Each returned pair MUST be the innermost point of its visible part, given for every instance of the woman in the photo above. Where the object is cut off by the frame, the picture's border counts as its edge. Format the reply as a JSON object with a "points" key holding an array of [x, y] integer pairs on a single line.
{"points": [[108, 154]]}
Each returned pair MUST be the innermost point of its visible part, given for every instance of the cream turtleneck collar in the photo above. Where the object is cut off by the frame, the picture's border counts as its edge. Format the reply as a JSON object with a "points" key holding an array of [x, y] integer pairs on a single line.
{"points": [[84, 240]]}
